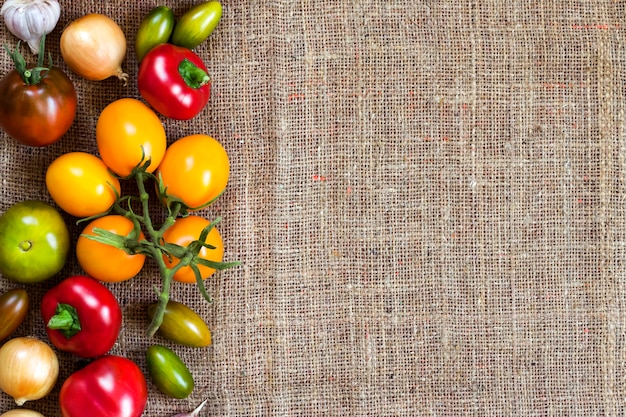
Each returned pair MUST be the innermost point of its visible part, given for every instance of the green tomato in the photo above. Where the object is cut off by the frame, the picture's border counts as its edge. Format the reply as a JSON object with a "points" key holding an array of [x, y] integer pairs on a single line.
{"points": [[34, 242], [182, 325], [155, 29], [197, 24], [168, 372]]}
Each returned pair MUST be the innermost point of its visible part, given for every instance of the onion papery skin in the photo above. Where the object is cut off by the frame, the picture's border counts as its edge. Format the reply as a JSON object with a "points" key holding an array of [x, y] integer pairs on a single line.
{"points": [[21, 412], [94, 47], [29, 368]]}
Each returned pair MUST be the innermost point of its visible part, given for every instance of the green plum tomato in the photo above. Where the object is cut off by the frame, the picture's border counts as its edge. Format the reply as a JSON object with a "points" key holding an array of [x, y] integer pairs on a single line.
{"points": [[182, 325], [155, 29], [168, 372], [34, 242], [197, 24]]}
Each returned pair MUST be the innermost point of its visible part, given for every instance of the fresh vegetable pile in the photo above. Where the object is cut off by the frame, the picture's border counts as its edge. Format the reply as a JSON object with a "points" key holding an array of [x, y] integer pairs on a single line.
{"points": [[137, 200]]}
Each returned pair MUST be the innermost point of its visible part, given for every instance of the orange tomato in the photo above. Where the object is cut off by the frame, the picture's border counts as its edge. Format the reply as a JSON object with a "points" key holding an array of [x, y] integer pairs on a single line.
{"points": [[81, 184], [183, 232], [195, 169], [129, 133], [105, 262]]}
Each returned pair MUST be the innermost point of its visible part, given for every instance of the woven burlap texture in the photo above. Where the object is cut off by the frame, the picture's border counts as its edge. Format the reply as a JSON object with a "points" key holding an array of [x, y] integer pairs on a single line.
{"points": [[427, 199]]}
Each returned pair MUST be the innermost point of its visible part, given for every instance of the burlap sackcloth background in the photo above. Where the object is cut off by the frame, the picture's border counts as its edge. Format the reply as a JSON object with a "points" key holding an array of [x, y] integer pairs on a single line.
{"points": [[427, 198]]}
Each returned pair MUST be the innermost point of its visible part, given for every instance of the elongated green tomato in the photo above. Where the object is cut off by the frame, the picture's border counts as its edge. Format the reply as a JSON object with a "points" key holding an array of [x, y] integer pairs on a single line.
{"points": [[13, 310], [197, 24], [155, 29], [168, 372], [182, 325]]}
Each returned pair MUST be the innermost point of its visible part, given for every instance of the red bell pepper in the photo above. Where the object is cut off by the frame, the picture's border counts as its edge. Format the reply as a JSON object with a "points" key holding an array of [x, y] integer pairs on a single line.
{"points": [[82, 316], [174, 81], [110, 386]]}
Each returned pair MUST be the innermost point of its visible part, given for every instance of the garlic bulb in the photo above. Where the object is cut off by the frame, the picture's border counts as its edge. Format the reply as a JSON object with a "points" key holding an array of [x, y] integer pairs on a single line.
{"points": [[29, 20]]}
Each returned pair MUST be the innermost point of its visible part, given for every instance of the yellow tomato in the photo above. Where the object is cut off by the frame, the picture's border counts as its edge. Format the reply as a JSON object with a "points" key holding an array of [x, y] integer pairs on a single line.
{"points": [[81, 184], [129, 133], [195, 169], [184, 231], [105, 262]]}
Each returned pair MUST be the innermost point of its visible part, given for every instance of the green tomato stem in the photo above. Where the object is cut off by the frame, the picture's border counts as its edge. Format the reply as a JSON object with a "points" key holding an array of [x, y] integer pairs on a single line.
{"points": [[157, 255], [163, 298], [153, 245], [167, 275], [31, 76], [156, 250], [144, 197]]}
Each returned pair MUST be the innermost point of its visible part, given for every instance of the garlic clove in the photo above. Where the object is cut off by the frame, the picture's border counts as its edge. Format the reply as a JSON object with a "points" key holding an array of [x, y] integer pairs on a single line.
{"points": [[29, 20]]}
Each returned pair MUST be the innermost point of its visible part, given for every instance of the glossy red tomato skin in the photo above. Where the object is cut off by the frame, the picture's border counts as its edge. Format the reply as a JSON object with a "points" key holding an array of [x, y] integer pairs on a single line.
{"points": [[164, 88], [110, 386], [37, 115], [98, 311]]}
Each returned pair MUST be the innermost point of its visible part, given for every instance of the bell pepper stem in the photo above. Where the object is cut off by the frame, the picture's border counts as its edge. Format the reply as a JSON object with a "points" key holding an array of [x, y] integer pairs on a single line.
{"points": [[194, 76], [65, 320]]}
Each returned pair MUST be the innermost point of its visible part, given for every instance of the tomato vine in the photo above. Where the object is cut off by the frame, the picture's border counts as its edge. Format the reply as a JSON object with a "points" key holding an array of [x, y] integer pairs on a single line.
{"points": [[153, 245]]}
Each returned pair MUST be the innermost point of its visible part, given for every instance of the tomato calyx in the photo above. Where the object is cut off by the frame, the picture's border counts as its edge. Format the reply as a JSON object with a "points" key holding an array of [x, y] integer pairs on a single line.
{"points": [[65, 320], [154, 245], [34, 75], [194, 76]]}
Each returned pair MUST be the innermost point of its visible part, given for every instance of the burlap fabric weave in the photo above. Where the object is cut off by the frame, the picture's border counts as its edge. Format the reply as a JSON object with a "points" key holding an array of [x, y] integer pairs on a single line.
{"points": [[427, 198]]}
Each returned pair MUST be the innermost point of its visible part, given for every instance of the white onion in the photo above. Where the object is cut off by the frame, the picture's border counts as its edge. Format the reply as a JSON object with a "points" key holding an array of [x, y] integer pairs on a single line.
{"points": [[29, 368], [22, 412], [94, 47]]}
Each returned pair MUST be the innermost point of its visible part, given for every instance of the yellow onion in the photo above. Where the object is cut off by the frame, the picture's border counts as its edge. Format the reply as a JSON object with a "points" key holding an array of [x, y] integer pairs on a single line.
{"points": [[94, 47], [22, 412], [29, 368]]}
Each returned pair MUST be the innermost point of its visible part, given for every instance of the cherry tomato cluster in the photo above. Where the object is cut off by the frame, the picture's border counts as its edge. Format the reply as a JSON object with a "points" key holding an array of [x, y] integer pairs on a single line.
{"points": [[190, 174], [119, 233]]}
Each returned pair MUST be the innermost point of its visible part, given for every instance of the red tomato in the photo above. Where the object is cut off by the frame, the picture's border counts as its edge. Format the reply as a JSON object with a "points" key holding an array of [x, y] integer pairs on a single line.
{"points": [[36, 110], [82, 316], [108, 386], [174, 81], [105, 262], [182, 233], [195, 169]]}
